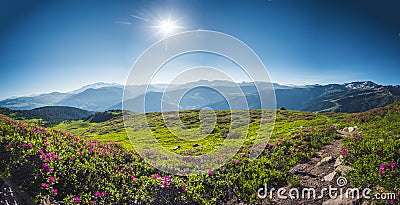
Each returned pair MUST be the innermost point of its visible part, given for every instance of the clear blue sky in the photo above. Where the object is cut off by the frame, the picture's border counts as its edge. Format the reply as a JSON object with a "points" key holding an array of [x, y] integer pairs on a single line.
{"points": [[62, 45]]}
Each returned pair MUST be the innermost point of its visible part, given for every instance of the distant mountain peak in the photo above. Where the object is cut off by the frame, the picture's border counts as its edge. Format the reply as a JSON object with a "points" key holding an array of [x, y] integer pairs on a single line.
{"points": [[361, 85], [96, 86]]}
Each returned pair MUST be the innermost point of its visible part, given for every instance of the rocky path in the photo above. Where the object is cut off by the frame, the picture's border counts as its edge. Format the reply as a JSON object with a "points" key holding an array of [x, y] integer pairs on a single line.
{"points": [[324, 169]]}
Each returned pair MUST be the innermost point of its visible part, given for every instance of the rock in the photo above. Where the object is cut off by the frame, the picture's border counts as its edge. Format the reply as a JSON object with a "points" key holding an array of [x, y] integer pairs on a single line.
{"points": [[330, 176], [349, 131], [324, 160], [343, 169], [338, 161], [176, 148], [298, 168], [319, 153]]}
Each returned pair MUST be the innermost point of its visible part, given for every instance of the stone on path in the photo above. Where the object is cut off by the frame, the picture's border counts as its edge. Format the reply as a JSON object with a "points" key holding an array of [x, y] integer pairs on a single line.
{"points": [[338, 161], [330, 176]]}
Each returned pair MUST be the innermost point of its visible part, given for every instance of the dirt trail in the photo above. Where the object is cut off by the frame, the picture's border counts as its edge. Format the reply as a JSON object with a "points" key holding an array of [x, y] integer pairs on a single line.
{"points": [[322, 171]]}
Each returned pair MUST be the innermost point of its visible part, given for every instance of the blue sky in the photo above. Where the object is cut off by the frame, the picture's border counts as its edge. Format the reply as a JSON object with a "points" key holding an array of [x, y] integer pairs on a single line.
{"points": [[62, 45]]}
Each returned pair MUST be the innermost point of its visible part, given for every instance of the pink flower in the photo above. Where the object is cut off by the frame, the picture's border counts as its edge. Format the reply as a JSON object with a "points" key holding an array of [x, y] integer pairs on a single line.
{"points": [[209, 172], [344, 152], [183, 188], [55, 191], [104, 193], [29, 144], [382, 167], [156, 176], [91, 202], [393, 165], [133, 177], [76, 199], [46, 169], [45, 185], [166, 184], [167, 178], [45, 165], [97, 194], [51, 179]]}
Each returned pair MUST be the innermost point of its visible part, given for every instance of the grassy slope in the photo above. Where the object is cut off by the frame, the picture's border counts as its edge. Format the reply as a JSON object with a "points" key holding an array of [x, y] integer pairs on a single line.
{"points": [[287, 122], [375, 153], [295, 138], [380, 127]]}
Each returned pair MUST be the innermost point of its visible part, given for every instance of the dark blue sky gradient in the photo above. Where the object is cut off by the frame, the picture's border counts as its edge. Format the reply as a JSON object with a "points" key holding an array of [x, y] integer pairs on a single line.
{"points": [[62, 45]]}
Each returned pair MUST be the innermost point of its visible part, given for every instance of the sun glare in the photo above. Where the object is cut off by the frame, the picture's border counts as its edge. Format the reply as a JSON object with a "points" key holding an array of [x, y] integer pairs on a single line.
{"points": [[167, 26]]}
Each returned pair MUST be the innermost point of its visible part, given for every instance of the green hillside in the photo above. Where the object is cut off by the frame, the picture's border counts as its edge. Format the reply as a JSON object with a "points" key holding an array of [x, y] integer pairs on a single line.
{"points": [[47, 162], [48, 115]]}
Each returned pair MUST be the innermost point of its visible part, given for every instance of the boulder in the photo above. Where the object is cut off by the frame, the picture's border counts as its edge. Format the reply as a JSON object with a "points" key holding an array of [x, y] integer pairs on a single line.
{"points": [[338, 161], [176, 148], [343, 169], [324, 160], [330, 176]]}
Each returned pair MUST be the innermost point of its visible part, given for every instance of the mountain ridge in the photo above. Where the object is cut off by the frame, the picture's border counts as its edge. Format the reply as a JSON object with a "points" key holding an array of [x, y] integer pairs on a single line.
{"points": [[347, 97], [48, 115]]}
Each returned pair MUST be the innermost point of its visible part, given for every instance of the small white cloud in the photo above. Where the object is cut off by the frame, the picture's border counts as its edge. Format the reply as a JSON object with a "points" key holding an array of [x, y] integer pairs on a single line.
{"points": [[140, 18], [123, 22]]}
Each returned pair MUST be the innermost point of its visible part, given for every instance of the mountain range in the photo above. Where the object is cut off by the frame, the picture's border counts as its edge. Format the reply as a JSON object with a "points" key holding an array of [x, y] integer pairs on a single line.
{"points": [[348, 97]]}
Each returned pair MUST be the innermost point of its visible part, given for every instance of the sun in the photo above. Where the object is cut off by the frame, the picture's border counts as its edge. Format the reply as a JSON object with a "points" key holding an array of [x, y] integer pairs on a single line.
{"points": [[168, 26]]}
